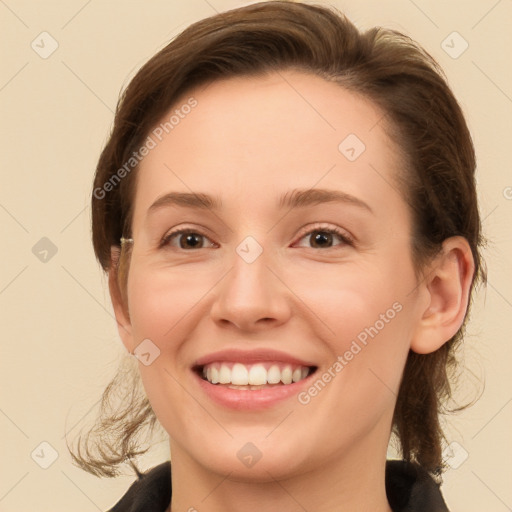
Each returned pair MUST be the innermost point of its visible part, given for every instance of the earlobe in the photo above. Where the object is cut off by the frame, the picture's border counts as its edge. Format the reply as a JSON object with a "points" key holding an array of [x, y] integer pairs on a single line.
{"points": [[120, 308], [446, 286]]}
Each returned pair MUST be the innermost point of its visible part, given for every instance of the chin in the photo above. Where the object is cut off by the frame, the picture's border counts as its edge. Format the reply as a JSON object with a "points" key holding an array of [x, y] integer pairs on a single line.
{"points": [[263, 471]]}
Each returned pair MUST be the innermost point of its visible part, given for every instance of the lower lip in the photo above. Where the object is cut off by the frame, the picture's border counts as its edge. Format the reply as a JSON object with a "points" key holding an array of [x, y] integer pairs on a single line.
{"points": [[248, 399]]}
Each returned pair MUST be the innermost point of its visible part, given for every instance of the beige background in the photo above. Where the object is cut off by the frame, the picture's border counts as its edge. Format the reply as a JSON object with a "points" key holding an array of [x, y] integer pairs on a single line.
{"points": [[60, 344]]}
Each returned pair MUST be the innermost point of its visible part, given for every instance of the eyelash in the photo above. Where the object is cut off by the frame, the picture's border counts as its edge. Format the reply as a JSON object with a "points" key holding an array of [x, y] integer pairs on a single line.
{"points": [[344, 237]]}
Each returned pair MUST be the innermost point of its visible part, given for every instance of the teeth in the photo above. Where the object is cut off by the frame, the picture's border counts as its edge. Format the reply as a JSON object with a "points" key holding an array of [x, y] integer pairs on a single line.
{"points": [[274, 375], [224, 374], [255, 376], [286, 375], [239, 375]]}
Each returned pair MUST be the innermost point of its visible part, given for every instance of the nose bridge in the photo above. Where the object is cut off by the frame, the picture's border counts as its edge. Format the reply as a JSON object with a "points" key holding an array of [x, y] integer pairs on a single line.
{"points": [[250, 267], [250, 291], [250, 277]]}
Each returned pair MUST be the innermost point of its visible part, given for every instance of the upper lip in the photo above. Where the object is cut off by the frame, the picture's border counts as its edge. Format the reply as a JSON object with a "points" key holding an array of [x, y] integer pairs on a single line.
{"points": [[251, 356]]}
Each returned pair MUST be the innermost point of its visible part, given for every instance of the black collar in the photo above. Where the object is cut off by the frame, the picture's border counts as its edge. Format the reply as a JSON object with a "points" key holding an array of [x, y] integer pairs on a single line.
{"points": [[409, 489]]}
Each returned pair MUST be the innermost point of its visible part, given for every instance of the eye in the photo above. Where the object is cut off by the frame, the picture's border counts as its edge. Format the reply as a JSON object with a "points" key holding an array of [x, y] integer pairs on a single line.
{"points": [[322, 237], [193, 240]]}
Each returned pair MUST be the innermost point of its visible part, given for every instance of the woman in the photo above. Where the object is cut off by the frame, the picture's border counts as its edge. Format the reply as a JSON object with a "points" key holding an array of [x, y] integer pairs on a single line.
{"points": [[286, 210]]}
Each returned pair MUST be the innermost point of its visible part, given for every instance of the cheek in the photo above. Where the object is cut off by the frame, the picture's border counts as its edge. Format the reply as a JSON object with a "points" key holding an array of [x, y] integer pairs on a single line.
{"points": [[160, 301], [350, 301], [162, 308], [367, 320]]}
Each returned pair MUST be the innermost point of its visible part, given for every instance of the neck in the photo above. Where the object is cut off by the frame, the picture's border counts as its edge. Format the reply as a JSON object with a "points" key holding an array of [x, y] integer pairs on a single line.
{"points": [[352, 482]]}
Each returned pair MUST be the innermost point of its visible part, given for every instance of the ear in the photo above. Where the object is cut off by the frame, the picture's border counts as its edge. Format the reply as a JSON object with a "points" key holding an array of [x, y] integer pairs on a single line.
{"points": [[446, 287], [120, 308]]}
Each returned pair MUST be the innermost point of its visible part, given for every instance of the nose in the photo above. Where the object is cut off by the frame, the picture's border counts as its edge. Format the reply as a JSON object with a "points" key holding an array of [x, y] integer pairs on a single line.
{"points": [[252, 296]]}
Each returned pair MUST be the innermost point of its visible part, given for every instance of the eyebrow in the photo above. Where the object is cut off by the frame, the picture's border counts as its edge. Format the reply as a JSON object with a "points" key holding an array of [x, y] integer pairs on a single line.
{"points": [[301, 198], [296, 198]]}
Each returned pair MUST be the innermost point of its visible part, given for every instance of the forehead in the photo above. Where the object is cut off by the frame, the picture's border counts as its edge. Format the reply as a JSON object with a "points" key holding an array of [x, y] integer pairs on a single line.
{"points": [[253, 136]]}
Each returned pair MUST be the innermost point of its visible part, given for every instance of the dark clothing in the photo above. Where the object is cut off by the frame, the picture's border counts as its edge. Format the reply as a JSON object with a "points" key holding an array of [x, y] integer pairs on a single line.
{"points": [[409, 489]]}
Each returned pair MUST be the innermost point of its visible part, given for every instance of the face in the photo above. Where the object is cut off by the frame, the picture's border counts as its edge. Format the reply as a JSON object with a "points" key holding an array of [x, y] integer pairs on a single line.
{"points": [[299, 269]]}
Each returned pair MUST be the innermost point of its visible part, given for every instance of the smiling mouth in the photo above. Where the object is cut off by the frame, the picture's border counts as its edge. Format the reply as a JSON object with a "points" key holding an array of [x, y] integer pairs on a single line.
{"points": [[255, 376]]}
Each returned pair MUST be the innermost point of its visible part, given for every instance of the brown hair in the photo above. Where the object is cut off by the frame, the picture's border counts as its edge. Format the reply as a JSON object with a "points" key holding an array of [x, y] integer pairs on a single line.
{"points": [[422, 115]]}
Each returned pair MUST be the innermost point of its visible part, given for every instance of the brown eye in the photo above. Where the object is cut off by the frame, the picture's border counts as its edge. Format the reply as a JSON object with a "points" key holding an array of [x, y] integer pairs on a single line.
{"points": [[187, 239], [321, 238], [324, 238], [190, 240]]}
